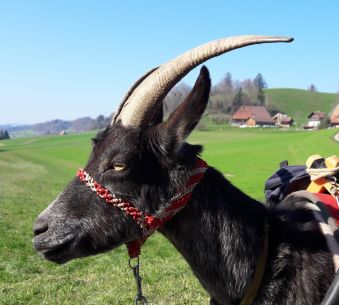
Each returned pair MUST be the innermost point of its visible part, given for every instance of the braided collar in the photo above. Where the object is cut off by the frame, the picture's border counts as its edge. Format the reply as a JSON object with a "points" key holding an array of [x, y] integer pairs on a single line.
{"points": [[149, 223]]}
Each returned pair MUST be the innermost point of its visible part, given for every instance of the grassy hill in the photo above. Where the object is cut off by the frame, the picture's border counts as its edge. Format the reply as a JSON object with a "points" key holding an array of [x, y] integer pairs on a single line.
{"points": [[33, 171], [300, 103]]}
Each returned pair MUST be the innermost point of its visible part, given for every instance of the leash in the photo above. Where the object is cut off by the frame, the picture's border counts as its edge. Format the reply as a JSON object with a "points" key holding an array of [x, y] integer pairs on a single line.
{"points": [[252, 290], [139, 298]]}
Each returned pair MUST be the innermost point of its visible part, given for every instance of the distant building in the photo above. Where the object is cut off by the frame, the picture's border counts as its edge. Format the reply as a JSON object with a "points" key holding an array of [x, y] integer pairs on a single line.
{"points": [[252, 116], [283, 120], [314, 120], [334, 119]]}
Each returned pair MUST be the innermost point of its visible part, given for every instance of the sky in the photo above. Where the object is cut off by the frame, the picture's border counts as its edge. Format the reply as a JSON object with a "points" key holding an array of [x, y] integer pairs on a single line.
{"points": [[67, 59]]}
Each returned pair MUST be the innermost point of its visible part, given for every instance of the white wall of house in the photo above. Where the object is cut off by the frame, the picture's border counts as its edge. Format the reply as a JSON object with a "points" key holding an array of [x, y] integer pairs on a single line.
{"points": [[313, 123]]}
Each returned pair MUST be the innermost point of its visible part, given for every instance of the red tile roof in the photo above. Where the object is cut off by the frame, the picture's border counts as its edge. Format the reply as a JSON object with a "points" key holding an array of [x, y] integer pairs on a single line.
{"points": [[316, 115], [282, 118], [257, 113]]}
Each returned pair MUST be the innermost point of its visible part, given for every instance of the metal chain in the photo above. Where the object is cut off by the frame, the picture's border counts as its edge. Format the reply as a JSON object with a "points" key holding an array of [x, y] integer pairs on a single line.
{"points": [[140, 298]]}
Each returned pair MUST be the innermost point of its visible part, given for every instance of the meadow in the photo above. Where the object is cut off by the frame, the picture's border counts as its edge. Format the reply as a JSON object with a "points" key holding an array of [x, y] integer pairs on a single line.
{"points": [[299, 103], [34, 170]]}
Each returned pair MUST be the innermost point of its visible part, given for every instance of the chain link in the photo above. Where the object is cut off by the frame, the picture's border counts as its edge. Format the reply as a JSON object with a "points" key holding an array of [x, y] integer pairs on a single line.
{"points": [[140, 299]]}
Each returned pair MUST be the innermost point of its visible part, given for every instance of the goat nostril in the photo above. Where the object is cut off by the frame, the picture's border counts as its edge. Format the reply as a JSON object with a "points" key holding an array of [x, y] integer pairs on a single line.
{"points": [[40, 228]]}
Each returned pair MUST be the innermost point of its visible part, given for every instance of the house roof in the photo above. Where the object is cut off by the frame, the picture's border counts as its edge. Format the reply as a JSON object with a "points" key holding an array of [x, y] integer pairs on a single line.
{"points": [[335, 115], [286, 120], [279, 115], [316, 115], [282, 118], [258, 113]]}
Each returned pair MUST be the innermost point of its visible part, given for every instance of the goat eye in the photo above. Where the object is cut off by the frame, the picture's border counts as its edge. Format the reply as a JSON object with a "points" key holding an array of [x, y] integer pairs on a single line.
{"points": [[118, 166]]}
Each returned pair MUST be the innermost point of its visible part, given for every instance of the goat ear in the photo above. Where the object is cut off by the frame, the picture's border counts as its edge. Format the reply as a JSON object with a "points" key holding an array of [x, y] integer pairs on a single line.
{"points": [[183, 120]]}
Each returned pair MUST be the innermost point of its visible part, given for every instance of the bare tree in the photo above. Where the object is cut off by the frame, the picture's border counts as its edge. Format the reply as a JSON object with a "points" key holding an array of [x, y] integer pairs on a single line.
{"points": [[250, 90], [222, 94], [228, 94], [175, 96]]}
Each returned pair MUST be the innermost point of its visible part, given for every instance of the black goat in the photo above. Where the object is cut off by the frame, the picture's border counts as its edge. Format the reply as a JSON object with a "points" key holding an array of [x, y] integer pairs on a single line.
{"points": [[221, 232]]}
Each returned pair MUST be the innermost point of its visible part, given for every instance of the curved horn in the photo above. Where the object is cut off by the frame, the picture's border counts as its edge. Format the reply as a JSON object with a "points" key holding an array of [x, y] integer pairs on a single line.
{"points": [[129, 92], [142, 99]]}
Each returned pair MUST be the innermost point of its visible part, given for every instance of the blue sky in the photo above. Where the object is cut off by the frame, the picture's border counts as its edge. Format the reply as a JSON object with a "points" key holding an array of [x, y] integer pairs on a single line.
{"points": [[68, 59]]}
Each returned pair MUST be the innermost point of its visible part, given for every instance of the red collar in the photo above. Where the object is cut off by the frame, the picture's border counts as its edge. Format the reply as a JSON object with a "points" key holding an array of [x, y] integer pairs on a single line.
{"points": [[149, 223]]}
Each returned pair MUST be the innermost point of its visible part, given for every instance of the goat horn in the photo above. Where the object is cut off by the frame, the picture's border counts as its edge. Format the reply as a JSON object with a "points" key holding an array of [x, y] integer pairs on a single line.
{"points": [[139, 104], [129, 92]]}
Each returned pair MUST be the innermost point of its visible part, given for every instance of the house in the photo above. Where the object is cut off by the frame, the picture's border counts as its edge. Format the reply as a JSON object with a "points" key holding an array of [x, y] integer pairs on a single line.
{"points": [[283, 120], [314, 120], [334, 119], [252, 116]]}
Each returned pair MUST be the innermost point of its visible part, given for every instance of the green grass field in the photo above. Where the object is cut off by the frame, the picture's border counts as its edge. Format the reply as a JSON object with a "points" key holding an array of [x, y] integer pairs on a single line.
{"points": [[34, 170], [299, 103]]}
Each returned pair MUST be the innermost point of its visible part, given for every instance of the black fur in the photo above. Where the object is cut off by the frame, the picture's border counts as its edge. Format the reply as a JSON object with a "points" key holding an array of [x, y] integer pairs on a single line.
{"points": [[219, 233]]}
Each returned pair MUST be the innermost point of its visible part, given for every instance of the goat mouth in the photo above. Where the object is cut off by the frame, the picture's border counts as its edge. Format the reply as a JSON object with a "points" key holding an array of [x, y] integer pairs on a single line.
{"points": [[58, 253]]}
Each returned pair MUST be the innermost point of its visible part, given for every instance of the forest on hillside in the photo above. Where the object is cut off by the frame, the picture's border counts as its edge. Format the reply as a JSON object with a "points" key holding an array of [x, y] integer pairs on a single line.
{"points": [[229, 94], [226, 96]]}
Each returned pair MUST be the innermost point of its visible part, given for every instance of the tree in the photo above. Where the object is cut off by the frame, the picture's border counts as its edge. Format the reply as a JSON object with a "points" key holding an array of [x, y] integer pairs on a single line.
{"points": [[261, 85], [4, 134], [175, 97], [238, 99], [250, 92], [312, 88], [228, 82], [99, 123], [222, 94], [325, 122]]}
